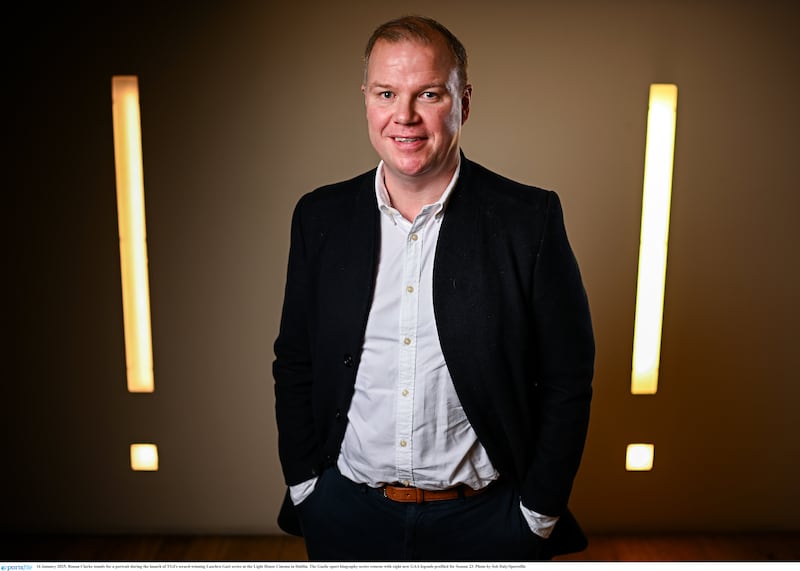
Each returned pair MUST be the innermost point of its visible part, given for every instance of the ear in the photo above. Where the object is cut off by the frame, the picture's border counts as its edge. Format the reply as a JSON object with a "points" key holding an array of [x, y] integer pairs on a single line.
{"points": [[466, 100]]}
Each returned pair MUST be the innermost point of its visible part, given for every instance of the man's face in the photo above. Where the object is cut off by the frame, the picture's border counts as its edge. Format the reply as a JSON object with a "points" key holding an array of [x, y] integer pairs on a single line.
{"points": [[415, 109]]}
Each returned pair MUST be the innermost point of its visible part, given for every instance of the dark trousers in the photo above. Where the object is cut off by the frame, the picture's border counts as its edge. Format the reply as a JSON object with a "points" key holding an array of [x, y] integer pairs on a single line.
{"points": [[345, 521]]}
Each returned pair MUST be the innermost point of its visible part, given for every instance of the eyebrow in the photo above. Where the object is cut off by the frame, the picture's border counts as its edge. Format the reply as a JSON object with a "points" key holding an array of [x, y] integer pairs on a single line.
{"points": [[421, 87]]}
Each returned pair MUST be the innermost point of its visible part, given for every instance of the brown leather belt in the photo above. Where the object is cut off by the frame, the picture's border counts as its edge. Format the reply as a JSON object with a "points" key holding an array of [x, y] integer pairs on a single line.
{"points": [[408, 494]]}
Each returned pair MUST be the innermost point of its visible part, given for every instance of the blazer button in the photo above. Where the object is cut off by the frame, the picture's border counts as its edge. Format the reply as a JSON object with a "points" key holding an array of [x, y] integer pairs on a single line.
{"points": [[348, 360], [338, 414]]}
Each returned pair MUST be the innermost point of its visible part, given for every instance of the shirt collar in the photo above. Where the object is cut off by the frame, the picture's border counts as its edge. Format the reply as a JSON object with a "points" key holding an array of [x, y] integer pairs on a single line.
{"points": [[385, 202]]}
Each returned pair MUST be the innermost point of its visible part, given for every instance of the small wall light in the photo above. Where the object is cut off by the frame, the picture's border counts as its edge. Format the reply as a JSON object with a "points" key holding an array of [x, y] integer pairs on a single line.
{"points": [[639, 457], [144, 457]]}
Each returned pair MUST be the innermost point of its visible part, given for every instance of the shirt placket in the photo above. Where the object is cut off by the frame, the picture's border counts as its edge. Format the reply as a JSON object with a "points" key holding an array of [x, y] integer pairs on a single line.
{"points": [[409, 318]]}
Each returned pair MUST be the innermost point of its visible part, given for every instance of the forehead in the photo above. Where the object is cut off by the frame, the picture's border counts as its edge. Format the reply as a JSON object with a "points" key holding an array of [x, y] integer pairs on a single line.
{"points": [[410, 58]]}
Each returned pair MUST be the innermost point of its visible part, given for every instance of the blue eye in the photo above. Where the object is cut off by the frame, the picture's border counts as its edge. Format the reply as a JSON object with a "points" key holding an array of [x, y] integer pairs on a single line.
{"points": [[385, 94]]}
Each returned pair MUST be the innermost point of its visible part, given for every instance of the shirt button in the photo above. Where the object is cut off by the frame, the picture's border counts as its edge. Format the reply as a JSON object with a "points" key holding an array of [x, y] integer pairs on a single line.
{"points": [[407, 341], [405, 392], [410, 289], [414, 237], [403, 443]]}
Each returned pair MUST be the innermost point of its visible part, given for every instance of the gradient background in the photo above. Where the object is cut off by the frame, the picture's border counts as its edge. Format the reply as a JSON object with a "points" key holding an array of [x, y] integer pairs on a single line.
{"points": [[248, 105]]}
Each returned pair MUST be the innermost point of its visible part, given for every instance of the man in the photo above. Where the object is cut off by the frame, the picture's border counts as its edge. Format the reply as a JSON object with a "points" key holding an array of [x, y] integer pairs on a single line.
{"points": [[434, 362]]}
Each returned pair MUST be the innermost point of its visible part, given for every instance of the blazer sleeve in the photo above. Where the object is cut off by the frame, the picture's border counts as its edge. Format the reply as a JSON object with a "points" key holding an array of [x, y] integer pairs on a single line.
{"points": [[292, 369], [564, 349]]}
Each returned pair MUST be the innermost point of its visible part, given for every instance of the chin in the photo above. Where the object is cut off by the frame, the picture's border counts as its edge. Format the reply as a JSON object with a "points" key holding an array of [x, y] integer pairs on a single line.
{"points": [[408, 167], [409, 172]]}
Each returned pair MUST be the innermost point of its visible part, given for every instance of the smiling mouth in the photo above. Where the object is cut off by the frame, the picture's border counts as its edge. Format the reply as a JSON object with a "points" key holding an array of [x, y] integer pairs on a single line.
{"points": [[407, 139]]}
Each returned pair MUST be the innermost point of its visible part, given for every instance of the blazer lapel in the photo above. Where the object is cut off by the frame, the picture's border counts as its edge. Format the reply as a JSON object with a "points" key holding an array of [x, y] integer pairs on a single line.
{"points": [[456, 291], [358, 283]]}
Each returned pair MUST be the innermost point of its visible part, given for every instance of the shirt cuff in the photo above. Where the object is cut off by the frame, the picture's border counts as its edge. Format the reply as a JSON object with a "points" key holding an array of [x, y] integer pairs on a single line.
{"points": [[301, 491], [541, 525]]}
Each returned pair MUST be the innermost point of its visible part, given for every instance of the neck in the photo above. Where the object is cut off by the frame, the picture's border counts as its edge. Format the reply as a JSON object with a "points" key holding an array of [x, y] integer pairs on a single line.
{"points": [[410, 194]]}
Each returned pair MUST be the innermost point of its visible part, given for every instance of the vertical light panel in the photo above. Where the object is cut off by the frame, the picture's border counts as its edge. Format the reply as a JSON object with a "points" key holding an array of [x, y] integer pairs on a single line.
{"points": [[657, 191], [132, 235], [144, 457]]}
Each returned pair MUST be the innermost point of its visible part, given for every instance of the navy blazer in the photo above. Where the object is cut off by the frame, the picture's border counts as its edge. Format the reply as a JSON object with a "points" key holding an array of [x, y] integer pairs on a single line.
{"points": [[513, 321]]}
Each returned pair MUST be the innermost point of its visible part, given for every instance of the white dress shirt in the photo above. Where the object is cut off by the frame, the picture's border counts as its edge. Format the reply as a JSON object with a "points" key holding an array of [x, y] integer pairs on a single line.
{"points": [[405, 423]]}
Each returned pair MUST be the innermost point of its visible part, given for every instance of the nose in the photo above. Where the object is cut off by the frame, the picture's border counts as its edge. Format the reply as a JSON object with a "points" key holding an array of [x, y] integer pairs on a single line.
{"points": [[405, 112]]}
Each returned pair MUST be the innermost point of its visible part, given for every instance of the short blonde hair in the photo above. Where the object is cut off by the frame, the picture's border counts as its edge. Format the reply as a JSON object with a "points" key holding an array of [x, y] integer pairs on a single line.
{"points": [[419, 28]]}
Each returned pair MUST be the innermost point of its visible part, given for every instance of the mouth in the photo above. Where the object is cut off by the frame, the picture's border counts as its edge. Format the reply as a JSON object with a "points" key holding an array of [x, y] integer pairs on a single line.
{"points": [[407, 139]]}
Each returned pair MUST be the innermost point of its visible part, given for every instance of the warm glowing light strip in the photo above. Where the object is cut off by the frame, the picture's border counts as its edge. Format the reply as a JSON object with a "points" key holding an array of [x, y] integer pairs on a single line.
{"points": [[144, 457], [659, 152], [132, 236]]}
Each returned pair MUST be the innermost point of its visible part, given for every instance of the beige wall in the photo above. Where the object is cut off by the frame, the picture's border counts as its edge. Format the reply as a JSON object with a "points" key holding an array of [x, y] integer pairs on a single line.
{"points": [[247, 107]]}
